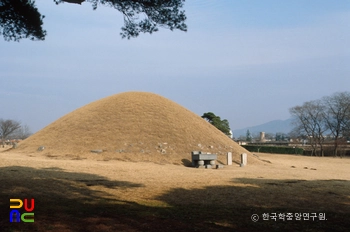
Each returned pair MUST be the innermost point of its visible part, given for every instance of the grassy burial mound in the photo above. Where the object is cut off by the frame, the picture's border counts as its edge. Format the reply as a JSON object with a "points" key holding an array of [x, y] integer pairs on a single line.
{"points": [[135, 126]]}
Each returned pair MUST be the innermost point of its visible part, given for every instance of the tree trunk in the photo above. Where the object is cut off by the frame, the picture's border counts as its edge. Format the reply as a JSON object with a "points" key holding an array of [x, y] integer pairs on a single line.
{"points": [[335, 151]]}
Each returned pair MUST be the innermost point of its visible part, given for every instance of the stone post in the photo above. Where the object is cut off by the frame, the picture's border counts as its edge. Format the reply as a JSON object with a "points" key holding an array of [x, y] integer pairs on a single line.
{"points": [[229, 158], [243, 159]]}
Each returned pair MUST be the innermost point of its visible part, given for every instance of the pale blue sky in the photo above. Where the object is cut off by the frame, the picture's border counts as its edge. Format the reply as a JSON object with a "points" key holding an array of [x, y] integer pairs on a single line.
{"points": [[246, 61]]}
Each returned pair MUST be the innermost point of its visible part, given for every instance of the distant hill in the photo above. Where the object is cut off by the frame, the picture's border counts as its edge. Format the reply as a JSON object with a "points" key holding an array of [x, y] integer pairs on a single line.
{"points": [[275, 126]]}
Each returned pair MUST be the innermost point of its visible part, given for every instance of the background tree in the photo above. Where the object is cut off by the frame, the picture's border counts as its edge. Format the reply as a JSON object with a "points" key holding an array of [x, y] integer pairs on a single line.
{"points": [[8, 127], [329, 115], [337, 111], [309, 121], [21, 19], [222, 125], [22, 133], [248, 136]]}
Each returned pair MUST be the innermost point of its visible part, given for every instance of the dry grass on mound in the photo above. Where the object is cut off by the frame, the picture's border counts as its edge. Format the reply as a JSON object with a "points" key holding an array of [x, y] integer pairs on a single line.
{"points": [[132, 126]]}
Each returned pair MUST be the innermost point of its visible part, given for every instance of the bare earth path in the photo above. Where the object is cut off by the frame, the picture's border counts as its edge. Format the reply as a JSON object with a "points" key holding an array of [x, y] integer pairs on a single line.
{"points": [[143, 196]]}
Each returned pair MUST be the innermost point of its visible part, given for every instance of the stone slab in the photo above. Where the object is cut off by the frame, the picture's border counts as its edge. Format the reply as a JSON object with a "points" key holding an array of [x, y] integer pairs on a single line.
{"points": [[229, 158], [204, 156], [244, 159]]}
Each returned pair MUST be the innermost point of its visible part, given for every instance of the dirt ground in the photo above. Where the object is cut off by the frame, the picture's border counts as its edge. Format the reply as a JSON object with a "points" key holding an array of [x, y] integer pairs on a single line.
{"points": [[100, 195]]}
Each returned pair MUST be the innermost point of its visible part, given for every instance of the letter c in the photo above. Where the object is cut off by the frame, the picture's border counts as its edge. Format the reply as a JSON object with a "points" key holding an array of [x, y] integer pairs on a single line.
{"points": [[27, 214]]}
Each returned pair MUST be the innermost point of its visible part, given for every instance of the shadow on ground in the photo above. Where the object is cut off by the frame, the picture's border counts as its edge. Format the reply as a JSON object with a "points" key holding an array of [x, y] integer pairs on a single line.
{"points": [[187, 163], [64, 202]]}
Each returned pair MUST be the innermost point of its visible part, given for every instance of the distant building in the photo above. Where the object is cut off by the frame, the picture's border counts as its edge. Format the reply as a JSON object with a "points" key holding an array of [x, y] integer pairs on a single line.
{"points": [[241, 142]]}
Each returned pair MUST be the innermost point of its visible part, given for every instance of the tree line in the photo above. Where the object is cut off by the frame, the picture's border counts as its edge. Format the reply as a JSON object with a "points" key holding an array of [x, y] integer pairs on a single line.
{"points": [[323, 121]]}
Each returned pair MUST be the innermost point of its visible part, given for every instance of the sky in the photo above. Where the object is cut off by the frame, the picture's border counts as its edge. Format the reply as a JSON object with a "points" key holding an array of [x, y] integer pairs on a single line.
{"points": [[246, 61]]}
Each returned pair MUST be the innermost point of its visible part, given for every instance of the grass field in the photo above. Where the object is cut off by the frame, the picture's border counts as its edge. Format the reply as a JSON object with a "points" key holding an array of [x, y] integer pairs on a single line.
{"points": [[111, 195]]}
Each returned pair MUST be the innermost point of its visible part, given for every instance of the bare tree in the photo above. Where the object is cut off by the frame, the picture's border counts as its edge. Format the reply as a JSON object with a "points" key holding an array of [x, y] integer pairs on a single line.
{"points": [[23, 132], [8, 127], [309, 121], [337, 116]]}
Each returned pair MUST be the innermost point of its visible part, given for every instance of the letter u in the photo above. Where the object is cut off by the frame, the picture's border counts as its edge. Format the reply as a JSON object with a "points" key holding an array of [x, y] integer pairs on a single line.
{"points": [[26, 205]]}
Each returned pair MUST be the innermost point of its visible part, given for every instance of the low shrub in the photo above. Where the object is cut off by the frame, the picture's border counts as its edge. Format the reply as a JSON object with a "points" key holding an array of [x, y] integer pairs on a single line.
{"points": [[274, 149]]}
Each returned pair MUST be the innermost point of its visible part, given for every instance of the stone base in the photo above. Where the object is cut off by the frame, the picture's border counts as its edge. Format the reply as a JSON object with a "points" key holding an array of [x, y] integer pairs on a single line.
{"points": [[219, 166]]}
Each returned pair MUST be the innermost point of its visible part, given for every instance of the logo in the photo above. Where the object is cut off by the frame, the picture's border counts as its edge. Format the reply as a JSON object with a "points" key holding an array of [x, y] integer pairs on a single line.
{"points": [[16, 216], [255, 217]]}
